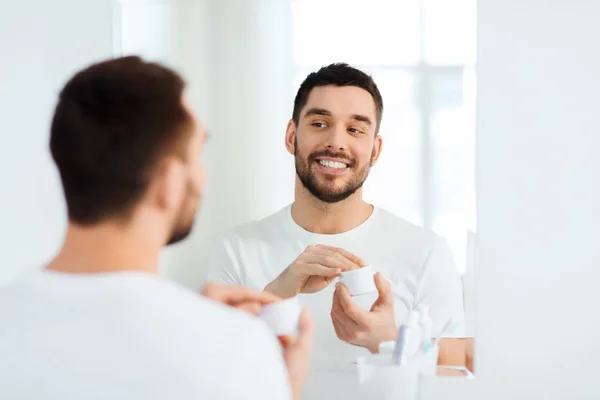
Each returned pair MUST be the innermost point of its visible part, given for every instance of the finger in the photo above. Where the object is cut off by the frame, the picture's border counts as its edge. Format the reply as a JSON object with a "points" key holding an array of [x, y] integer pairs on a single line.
{"points": [[212, 289], [384, 289], [232, 294], [348, 306], [286, 341], [321, 270], [352, 257], [340, 330], [343, 325], [252, 307], [246, 294], [221, 292], [330, 257], [337, 328], [306, 332], [336, 306]]}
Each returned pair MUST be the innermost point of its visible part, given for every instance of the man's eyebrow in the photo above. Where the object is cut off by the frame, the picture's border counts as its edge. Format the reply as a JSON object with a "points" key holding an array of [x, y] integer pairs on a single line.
{"points": [[317, 111], [362, 118], [322, 111]]}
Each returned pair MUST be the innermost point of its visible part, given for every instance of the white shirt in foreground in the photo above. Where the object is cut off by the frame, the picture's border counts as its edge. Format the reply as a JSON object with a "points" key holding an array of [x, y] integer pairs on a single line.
{"points": [[128, 336], [416, 261]]}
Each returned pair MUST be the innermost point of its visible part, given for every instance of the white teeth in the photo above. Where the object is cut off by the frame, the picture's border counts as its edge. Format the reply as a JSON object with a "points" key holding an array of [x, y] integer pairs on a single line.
{"points": [[332, 164]]}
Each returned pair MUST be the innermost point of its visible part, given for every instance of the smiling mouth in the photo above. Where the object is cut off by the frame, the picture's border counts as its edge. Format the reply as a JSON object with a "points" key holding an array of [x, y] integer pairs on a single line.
{"points": [[333, 164]]}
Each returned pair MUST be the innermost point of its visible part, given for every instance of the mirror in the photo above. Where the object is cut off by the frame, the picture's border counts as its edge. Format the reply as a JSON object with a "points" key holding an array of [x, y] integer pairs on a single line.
{"points": [[244, 62], [424, 175]]}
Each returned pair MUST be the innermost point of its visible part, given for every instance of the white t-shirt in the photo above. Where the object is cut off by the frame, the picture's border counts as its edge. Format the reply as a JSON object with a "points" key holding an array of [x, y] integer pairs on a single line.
{"points": [[127, 336], [416, 261]]}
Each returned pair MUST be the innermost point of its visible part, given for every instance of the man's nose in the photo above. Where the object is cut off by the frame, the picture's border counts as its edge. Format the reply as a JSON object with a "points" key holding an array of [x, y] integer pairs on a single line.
{"points": [[336, 139]]}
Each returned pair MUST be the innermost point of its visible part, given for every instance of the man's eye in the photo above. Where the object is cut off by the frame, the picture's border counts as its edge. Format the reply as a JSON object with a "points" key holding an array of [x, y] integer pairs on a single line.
{"points": [[354, 130], [319, 125]]}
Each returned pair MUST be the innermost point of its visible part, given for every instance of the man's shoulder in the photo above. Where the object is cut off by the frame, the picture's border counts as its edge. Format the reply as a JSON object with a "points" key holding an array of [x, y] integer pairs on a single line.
{"points": [[145, 317], [145, 302], [229, 332], [388, 223], [264, 228], [174, 311], [180, 302], [230, 323]]}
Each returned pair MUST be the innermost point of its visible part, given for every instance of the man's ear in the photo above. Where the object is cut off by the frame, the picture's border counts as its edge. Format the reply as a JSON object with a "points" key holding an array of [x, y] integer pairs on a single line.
{"points": [[376, 152], [167, 185], [290, 136]]}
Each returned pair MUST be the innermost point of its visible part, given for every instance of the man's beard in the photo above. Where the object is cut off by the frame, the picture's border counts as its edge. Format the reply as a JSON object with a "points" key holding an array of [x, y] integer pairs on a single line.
{"points": [[185, 220], [181, 232], [309, 179]]}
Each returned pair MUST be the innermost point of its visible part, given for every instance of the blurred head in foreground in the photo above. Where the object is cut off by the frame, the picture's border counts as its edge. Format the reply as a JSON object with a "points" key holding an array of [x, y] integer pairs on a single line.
{"points": [[127, 148]]}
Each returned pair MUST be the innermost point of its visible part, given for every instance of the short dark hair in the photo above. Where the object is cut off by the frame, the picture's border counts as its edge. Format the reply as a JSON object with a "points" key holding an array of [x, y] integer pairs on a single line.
{"points": [[338, 74], [113, 122]]}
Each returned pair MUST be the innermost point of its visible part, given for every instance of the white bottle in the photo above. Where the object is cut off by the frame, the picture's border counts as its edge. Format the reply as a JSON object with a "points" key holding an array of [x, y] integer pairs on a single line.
{"points": [[426, 324], [413, 323], [407, 339], [387, 347]]}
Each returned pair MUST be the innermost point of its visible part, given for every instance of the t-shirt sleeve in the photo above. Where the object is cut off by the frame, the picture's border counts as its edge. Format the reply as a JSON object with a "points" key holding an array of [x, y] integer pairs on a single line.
{"points": [[261, 366], [440, 289], [224, 265]]}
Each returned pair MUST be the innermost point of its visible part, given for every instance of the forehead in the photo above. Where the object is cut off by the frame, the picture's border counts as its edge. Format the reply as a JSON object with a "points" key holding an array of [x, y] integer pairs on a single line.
{"points": [[342, 101]]}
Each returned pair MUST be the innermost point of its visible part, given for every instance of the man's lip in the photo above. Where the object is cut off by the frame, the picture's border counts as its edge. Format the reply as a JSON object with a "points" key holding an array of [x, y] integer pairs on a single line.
{"points": [[340, 160], [331, 171]]}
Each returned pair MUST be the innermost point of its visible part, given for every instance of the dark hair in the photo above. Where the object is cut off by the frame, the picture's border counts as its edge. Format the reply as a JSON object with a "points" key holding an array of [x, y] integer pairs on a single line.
{"points": [[113, 122], [338, 74]]}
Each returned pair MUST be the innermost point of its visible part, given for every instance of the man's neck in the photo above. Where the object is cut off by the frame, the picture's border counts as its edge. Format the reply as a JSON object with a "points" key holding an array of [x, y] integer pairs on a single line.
{"points": [[320, 217], [106, 248]]}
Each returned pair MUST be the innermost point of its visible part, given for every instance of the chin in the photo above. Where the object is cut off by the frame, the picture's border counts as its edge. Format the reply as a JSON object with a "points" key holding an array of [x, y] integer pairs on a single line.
{"points": [[332, 196], [179, 236], [335, 188]]}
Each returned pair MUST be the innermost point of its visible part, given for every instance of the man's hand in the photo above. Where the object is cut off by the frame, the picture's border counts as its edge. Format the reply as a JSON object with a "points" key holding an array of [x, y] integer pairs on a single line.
{"points": [[364, 328], [297, 353], [313, 271], [238, 296], [456, 351]]}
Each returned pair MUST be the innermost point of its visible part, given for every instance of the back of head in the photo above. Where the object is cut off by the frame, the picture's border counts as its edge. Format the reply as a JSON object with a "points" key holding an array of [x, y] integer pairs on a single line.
{"points": [[338, 74], [113, 122]]}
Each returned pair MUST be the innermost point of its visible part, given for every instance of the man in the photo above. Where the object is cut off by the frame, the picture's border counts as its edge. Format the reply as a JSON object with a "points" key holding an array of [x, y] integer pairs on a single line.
{"points": [[97, 323], [300, 250]]}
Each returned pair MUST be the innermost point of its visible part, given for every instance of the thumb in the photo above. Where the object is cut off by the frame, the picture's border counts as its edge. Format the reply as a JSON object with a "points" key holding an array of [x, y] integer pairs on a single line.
{"points": [[384, 289], [305, 332], [286, 341]]}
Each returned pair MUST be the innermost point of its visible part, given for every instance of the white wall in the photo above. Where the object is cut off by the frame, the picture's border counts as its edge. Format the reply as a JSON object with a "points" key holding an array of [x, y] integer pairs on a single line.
{"points": [[236, 58], [41, 44], [539, 198], [538, 192]]}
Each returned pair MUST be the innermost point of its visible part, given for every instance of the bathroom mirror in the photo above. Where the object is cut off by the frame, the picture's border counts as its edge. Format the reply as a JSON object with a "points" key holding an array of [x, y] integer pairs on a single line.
{"points": [[245, 61], [535, 75]]}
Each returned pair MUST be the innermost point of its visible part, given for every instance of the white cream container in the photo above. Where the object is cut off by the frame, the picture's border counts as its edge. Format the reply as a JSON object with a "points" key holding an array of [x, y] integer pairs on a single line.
{"points": [[282, 316], [359, 281]]}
